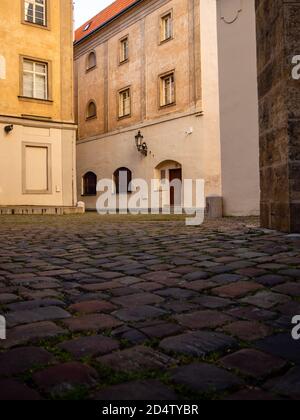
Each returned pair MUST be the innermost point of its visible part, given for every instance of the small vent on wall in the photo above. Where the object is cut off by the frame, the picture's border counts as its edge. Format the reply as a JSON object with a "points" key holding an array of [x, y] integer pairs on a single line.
{"points": [[230, 10]]}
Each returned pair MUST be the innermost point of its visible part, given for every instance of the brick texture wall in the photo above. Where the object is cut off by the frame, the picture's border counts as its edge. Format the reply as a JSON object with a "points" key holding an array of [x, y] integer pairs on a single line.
{"points": [[278, 40]]}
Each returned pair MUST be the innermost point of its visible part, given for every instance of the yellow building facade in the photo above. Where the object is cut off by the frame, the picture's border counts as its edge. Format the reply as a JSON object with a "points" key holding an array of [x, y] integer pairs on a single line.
{"points": [[37, 130]]}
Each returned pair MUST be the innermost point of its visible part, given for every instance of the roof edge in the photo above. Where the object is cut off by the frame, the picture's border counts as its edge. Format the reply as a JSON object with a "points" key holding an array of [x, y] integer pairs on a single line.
{"points": [[107, 22]]}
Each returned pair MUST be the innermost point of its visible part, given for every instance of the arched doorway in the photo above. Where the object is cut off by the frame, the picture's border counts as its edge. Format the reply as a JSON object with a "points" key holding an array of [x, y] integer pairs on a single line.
{"points": [[123, 178], [169, 173]]}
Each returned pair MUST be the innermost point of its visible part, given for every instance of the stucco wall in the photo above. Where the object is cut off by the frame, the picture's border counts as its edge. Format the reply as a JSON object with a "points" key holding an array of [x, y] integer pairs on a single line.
{"points": [[106, 144], [216, 91], [166, 141], [48, 122], [238, 106], [12, 163], [148, 59], [53, 44]]}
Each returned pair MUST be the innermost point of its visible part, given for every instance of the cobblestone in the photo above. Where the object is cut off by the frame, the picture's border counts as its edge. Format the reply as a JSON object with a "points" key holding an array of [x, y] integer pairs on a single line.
{"points": [[253, 363], [137, 359], [102, 304], [203, 378]]}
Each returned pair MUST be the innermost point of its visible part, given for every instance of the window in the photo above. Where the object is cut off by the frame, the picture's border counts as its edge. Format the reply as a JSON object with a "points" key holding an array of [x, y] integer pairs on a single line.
{"points": [[124, 103], [124, 50], [35, 12], [87, 26], [2, 68], [91, 110], [35, 79], [166, 27], [123, 178], [91, 61], [89, 184], [167, 89]]}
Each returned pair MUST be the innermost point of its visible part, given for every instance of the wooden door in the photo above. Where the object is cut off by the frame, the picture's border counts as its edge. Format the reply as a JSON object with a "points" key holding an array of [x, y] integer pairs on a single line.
{"points": [[175, 196]]}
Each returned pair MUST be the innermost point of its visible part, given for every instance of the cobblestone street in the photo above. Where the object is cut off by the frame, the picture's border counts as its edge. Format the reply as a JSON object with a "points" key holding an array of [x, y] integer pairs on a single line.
{"points": [[146, 308]]}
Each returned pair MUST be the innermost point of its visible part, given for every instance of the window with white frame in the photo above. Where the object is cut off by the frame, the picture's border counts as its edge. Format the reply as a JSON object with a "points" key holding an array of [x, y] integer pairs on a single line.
{"points": [[124, 50], [36, 12], [167, 89], [166, 27], [124, 103], [2, 67], [35, 79]]}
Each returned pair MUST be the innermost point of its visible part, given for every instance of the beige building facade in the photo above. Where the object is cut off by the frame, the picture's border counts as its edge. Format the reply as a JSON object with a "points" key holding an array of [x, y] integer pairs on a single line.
{"points": [[37, 128], [153, 69], [238, 93]]}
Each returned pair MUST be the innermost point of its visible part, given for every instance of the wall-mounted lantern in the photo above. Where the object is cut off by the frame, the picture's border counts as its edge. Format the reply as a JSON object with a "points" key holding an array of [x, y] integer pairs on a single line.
{"points": [[140, 144]]}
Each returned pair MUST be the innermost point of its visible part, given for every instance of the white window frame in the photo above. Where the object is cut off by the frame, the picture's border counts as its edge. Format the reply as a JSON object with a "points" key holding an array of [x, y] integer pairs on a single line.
{"points": [[34, 4], [166, 26], [124, 49], [167, 92], [35, 73], [122, 103], [2, 67]]}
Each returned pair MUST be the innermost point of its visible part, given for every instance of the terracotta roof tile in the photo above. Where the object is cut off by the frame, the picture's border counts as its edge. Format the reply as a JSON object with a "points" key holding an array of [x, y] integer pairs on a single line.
{"points": [[103, 17]]}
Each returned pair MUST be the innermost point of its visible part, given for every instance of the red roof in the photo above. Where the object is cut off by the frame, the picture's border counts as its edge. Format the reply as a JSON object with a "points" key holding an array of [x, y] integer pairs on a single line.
{"points": [[103, 17]]}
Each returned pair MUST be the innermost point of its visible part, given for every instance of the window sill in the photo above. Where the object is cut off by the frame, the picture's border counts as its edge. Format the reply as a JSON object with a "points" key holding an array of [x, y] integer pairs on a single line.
{"points": [[91, 118], [164, 41], [36, 25], [124, 117], [90, 69], [124, 62], [167, 106], [29, 99]]}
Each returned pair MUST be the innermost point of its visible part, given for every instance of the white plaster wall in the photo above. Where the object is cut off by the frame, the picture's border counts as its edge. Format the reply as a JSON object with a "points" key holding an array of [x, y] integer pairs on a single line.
{"points": [[11, 166], [166, 141], [210, 136], [238, 106]]}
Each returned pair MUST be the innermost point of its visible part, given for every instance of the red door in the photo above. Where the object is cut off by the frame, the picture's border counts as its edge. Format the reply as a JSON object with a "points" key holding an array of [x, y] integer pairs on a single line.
{"points": [[175, 196]]}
